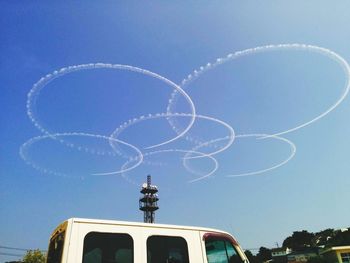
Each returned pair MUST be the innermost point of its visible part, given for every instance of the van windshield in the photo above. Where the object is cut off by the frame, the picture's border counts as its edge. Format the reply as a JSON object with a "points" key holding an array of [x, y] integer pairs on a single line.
{"points": [[55, 252]]}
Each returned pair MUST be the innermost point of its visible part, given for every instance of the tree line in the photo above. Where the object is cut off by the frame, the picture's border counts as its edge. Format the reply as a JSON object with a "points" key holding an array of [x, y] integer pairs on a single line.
{"points": [[301, 240]]}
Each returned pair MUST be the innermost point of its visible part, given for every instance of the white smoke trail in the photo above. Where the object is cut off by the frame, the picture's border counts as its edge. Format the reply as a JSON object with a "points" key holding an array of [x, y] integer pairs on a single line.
{"points": [[34, 93], [261, 49], [116, 133], [202, 155], [195, 149], [38, 86], [292, 153], [24, 148]]}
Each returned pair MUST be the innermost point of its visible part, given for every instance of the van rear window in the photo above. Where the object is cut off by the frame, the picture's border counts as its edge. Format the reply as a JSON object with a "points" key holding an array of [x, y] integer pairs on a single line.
{"points": [[54, 254], [161, 249], [108, 247]]}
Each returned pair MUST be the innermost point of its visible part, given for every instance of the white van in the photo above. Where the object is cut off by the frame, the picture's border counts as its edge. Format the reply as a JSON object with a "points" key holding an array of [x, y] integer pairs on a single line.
{"points": [[105, 241]]}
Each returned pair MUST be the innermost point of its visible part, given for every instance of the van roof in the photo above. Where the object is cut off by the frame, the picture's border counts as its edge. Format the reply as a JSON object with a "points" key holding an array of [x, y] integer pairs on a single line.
{"points": [[127, 223]]}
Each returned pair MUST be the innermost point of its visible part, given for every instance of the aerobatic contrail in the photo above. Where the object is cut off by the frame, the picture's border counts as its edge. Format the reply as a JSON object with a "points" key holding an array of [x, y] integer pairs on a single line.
{"points": [[30, 142], [131, 122], [171, 114], [268, 48], [290, 157], [203, 155], [42, 83]]}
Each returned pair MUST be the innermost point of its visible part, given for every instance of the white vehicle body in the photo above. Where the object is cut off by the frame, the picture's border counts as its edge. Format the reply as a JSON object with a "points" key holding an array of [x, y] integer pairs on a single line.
{"points": [[105, 241]]}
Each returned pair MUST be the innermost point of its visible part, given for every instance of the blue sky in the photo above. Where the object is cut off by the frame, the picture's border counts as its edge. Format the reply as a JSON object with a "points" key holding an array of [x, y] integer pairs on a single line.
{"points": [[261, 93]]}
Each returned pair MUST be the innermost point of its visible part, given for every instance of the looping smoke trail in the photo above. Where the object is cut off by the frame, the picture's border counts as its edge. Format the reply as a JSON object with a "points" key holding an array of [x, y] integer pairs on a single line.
{"points": [[202, 155], [24, 147], [194, 150], [34, 93], [260, 136], [38, 86], [207, 144], [116, 133], [260, 49]]}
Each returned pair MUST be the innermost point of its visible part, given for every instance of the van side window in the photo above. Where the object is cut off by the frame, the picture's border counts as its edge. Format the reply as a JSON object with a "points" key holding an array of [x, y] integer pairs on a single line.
{"points": [[166, 249], [221, 251], [108, 248]]}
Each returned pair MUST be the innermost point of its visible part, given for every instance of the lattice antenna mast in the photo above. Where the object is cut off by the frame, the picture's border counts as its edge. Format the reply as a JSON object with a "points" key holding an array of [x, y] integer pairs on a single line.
{"points": [[148, 203]]}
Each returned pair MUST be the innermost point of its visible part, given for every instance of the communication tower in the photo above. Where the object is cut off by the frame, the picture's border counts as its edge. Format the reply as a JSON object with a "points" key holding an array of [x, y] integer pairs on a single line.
{"points": [[148, 202]]}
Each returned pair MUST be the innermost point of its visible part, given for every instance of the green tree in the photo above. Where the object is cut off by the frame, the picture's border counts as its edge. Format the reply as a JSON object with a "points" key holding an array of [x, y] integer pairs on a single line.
{"points": [[299, 240], [321, 238], [264, 254], [341, 238], [34, 256], [251, 257]]}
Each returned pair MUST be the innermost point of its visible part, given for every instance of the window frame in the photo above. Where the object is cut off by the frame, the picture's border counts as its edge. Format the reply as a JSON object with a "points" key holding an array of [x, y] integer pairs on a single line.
{"points": [[168, 236], [128, 235], [59, 231], [224, 237]]}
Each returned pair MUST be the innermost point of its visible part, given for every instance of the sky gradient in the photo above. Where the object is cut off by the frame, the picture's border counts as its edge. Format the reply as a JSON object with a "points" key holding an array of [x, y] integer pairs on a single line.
{"points": [[260, 93]]}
